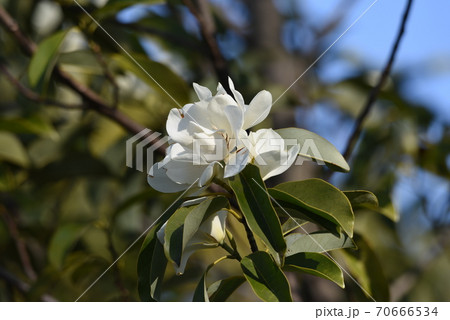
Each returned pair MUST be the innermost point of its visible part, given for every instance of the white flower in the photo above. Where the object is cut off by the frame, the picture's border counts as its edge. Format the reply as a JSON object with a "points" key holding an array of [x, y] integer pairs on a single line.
{"points": [[208, 139], [210, 234]]}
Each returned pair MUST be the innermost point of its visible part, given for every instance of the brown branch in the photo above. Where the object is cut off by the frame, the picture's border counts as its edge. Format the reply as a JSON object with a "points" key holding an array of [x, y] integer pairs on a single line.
{"points": [[90, 98], [376, 90], [208, 30], [33, 96], [108, 75], [18, 240], [22, 286]]}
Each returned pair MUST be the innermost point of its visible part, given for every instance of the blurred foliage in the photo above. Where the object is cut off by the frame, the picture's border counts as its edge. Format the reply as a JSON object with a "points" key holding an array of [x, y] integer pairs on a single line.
{"points": [[69, 205]]}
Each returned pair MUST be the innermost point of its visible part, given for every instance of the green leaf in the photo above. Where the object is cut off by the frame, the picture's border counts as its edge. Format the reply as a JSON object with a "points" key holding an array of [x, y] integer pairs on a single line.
{"points": [[367, 269], [290, 224], [265, 277], [152, 261], [221, 290], [315, 264], [317, 200], [44, 57], [313, 146], [62, 241], [30, 125], [255, 204], [316, 242], [12, 150], [185, 222], [361, 199], [157, 75]]}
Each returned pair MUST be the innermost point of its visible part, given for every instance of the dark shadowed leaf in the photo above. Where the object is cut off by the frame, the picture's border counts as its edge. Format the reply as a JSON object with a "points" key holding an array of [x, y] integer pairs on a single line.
{"points": [[62, 241], [258, 211], [365, 266], [265, 277]]}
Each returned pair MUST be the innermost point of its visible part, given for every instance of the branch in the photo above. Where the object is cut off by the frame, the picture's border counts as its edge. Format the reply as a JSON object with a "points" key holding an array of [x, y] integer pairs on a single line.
{"points": [[207, 29], [33, 96], [22, 286], [92, 100], [376, 90]]}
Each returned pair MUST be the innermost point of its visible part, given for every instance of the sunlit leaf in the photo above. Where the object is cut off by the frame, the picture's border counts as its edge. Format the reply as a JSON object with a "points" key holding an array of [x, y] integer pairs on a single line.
{"points": [[316, 242], [317, 200], [317, 265], [313, 146]]}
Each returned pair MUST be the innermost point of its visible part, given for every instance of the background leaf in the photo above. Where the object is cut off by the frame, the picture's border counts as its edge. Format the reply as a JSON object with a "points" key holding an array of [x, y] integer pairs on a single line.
{"points": [[12, 150], [42, 60]]}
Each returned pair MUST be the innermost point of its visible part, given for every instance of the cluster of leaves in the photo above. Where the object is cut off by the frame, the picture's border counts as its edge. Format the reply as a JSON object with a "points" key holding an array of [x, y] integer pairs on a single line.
{"points": [[272, 216]]}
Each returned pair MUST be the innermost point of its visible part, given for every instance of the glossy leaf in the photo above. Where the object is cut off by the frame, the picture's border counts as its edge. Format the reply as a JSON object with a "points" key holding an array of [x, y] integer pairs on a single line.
{"points": [[258, 211], [315, 264], [42, 60], [317, 199], [265, 277], [290, 224], [309, 141], [158, 76], [316, 242]]}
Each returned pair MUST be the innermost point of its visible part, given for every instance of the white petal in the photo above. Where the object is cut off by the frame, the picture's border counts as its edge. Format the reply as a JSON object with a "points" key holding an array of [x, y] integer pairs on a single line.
{"points": [[237, 95], [178, 128], [157, 178], [215, 226], [220, 89], [236, 162], [203, 93], [222, 111], [208, 174], [278, 163], [161, 232], [258, 109]]}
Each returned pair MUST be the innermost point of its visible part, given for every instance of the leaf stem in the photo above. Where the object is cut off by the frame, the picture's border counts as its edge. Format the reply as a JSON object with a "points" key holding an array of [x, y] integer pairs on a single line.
{"points": [[233, 253]]}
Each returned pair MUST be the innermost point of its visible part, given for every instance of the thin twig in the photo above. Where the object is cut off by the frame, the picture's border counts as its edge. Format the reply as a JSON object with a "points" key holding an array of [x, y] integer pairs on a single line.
{"points": [[33, 96], [90, 98], [21, 286], [18, 240], [208, 30], [376, 90], [108, 75]]}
